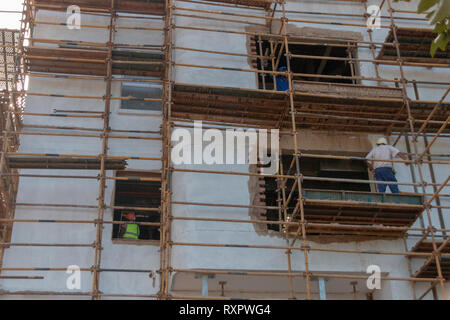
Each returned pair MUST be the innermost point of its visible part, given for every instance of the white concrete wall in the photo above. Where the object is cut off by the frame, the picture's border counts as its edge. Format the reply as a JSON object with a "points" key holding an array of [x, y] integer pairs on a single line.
{"points": [[191, 187]]}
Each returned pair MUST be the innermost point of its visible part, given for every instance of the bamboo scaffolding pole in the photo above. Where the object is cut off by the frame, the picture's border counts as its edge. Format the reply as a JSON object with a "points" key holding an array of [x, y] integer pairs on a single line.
{"points": [[435, 189], [335, 14], [166, 194], [383, 120], [354, 128], [56, 205], [80, 156], [91, 60], [96, 222], [219, 19], [431, 288], [349, 59], [36, 114], [335, 23], [297, 274], [76, 135], [134, 179], [272, 54], [12, 244], [302, 227], [40, 94], [102, 45], [282, 214], [227, 13], [220, 126], [296, 248], [416, 190], [263, 57], [244, 173], [144, 47], [93, 78], [31, 17], [22, 277], [427, 148], [435, 108], [105, 137], [436, 193], [368, 252], [231, 69], [362, 15], [59, 269], [352, 113], [225, 5], [271, 35], [97, 26], [304, 40], [291, 177], [55, 293], [87, 129], [78, 177], [337, 44], [312, 178], [92, 9], [261, 61], [311, 75], [296, 223]]}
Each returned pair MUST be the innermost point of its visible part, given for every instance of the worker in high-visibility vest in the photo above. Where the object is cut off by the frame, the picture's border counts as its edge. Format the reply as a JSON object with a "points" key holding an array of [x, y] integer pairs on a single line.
{"points": [[131, 228]]}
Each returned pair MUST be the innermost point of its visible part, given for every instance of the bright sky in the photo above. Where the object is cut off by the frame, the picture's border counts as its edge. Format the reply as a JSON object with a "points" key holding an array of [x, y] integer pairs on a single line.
{"points": [[10, 20]]}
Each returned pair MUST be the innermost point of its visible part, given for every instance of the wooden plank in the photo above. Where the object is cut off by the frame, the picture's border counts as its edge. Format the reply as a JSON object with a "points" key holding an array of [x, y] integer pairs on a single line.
{"points": [[253, 107], [63, 60], [151, 7], [347, 91]]}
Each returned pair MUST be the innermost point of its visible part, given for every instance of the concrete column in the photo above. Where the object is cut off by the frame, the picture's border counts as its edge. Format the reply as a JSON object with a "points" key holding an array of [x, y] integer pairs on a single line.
{"points": [[322, 290], [205, 285]]}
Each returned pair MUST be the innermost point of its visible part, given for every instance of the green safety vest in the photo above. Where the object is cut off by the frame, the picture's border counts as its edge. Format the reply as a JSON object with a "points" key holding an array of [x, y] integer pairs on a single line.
{"points": [[132, 231]]}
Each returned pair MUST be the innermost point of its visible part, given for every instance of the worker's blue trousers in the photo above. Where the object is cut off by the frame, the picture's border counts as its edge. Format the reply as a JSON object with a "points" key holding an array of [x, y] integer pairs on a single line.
{"points": [[386, 174]]}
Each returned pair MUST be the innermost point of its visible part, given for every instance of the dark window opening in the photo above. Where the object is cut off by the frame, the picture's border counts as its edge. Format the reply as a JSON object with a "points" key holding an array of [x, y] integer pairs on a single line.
{"points": [[312, 167], [307, 65], [140, 92], [133, 193]]}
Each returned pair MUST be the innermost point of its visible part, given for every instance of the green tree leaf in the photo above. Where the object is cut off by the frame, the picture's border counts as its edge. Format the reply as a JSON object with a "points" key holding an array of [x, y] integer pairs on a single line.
{"points": [[438, 14]]}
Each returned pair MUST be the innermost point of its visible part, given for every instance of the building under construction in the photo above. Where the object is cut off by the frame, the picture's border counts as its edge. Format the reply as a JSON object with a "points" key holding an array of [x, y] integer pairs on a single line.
{"points": [[92, 91]]}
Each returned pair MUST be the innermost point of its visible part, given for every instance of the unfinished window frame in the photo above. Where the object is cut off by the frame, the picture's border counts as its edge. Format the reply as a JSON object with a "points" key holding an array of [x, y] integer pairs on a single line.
{"points": [[264, 229], [317, 163], [255, 47], [143, 84], [131, 174]]}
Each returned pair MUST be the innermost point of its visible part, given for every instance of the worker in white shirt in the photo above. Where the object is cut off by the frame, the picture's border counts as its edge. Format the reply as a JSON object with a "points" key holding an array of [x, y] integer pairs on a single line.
{"points": [[383, 170]]}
